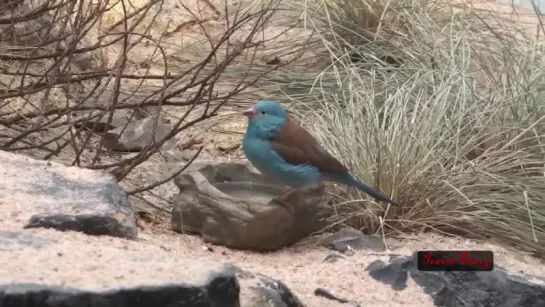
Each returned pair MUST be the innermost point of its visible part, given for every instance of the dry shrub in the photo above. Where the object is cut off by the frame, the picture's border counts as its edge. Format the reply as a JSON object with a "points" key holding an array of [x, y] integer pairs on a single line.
{"points": [[56, 105]]}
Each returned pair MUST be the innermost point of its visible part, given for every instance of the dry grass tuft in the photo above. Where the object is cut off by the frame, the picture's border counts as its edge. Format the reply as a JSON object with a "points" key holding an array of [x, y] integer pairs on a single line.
{"points": [[442, 109]]}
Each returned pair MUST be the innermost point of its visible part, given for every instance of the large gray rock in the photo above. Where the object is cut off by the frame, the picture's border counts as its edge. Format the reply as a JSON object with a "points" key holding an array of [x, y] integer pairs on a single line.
{"points": [[498, 288], [232, 205], [44, 278], [50, 195]]}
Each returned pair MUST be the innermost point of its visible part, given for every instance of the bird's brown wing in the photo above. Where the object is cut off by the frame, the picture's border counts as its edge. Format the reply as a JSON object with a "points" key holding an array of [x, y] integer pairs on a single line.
{"points": [[297, 146]]}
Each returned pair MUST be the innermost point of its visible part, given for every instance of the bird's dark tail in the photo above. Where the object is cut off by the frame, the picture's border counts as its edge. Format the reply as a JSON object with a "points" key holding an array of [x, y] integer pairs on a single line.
{"points": [[350, 180]]}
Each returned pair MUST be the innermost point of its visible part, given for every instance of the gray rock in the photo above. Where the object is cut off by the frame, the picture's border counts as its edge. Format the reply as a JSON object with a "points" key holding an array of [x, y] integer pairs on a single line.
{"points": [[50, 195], [186, 282], [138, 134], [498, 288], [350, 239], [331, 258], [232, 205], [258, 290]]}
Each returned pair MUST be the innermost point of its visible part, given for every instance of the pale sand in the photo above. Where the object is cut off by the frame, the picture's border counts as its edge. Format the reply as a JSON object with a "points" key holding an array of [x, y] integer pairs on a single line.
{"points": [[100, 262]]}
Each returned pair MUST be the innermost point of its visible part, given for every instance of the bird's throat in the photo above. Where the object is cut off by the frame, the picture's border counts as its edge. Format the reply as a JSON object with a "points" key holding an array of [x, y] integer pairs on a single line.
{"points": [[263, 128]]}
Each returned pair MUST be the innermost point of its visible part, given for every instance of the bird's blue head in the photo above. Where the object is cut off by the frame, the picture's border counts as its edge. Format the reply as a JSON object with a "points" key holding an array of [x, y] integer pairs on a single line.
{"points": [[265, 118], [264, 110]]}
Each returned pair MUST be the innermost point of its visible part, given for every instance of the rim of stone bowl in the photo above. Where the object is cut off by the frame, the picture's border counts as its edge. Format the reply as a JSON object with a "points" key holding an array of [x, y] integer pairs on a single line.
{"points": [[262, 187]]}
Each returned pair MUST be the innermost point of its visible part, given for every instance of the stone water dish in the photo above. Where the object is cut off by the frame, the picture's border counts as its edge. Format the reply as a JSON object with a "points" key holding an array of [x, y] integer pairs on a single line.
{"points": [[233, 205]]}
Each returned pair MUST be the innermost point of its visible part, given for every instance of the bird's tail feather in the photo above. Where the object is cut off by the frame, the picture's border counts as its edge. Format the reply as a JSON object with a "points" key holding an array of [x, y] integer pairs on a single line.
{"points": [[350, 180]]}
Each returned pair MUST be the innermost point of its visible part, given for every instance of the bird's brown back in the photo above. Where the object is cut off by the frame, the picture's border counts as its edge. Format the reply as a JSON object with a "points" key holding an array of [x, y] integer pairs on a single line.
{"points": [[297, 146]]}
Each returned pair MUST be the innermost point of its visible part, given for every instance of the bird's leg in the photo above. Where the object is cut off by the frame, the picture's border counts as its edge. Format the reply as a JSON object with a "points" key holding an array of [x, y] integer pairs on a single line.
{"points": [[286, 194]]}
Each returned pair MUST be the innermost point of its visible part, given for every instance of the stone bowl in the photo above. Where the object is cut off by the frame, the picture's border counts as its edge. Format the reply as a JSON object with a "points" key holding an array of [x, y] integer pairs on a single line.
{"points": [[232, 204]]}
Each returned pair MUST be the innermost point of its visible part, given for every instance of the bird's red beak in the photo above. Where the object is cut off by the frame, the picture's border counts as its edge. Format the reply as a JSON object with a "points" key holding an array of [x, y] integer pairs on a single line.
{"points": [[249, 113]]}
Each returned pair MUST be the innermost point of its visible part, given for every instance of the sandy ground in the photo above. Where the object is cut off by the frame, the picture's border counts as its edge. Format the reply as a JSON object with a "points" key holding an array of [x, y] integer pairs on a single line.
{"points": [[302, 269], [523, 17], [161, 255]]}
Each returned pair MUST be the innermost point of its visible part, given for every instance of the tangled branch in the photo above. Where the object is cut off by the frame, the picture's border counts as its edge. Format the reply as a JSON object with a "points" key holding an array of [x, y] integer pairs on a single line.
{"points": [[68, 70]]}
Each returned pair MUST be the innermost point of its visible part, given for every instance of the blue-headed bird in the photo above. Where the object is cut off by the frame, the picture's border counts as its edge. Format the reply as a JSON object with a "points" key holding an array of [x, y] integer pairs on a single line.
{"points": [[279, 147]]}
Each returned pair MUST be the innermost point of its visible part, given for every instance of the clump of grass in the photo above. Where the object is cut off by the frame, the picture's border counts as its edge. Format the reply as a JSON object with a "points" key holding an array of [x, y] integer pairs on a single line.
{"points": [[454, 131]]}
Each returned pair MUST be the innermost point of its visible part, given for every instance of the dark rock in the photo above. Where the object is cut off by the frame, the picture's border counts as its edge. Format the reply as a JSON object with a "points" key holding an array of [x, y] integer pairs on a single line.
{"points": [[395, 274], [327, 294], [196, 282], [88, 223], [51, 195], [350, 239], [218, 291], [16, 240], [463, 289], [261, 290], [231, 205], [138, 134], [331, 258]]}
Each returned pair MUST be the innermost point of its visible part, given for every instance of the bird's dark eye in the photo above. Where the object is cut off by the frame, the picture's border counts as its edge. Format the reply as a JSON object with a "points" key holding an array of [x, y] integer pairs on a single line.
{"points": [[263, 112]]}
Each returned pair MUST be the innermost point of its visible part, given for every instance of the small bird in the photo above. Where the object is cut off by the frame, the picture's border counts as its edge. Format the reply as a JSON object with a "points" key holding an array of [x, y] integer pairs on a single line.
{"points": [[279, 147]]}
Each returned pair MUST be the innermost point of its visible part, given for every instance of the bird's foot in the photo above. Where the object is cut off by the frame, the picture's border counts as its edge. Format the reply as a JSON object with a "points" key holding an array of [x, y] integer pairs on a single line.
{"points": [[286, 194]]}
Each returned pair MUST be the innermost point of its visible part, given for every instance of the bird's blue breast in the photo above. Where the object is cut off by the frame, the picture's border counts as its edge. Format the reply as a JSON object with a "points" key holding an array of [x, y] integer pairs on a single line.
{"points": [[262, 155]]}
